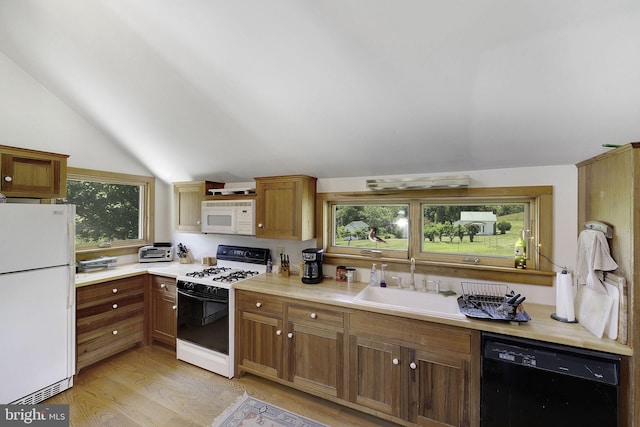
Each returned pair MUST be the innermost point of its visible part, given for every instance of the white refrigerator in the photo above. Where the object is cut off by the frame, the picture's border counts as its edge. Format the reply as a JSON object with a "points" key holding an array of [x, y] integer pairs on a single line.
{"points": [[37, 301]]}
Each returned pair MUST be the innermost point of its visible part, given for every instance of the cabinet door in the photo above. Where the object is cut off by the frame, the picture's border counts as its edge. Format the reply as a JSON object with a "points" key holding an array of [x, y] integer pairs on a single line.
{"points": [[259, 345], [439, 389], [316, 358], [38, 177], [163, 310], [375, 374], [188, 206], [285, 207]]}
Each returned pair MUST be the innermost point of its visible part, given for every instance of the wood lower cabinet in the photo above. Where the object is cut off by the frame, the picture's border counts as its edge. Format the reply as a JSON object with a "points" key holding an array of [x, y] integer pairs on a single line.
{"points": [[314, 349], [295, 343], [424, 373], [163, 322], [259, 334], [109, 318], [405, 370], [31, 173]]}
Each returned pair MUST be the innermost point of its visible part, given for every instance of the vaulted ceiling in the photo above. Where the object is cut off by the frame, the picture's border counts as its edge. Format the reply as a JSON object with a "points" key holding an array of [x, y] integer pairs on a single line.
{"points": [[234, 89]]}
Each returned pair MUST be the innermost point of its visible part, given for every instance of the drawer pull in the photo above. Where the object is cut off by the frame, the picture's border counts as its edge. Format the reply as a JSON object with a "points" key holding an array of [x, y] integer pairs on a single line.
{"points": [[278, 332], [174, 307], [115, 332], [114, 306], [8, 179], [163, 285], [395, 361], [313, 315], [258, 304], [115, 290], [290, 335], [413, 365]]}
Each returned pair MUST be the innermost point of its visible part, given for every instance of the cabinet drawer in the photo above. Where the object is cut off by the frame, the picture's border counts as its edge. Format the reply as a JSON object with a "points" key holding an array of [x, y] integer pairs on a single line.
{"points": [[164, 284], [113, 290], [259, 303], [102, 315], [106, 341], [317, 315], [410, 332]]}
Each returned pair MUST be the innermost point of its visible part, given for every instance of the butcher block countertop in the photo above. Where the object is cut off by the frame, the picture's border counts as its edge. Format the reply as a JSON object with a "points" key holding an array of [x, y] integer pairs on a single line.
{"points": [[540, 327]]}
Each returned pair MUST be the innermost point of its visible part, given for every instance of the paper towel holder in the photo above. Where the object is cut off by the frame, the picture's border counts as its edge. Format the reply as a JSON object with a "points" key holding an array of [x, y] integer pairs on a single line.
{"points": [[555, 316]]}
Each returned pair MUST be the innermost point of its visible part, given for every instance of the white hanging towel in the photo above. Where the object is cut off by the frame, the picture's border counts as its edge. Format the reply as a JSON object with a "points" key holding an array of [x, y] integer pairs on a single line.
{"points": [[593, 258]]}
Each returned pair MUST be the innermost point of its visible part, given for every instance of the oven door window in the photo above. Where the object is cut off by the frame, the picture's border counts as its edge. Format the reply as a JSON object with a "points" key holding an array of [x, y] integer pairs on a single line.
{"points": [[204, 321]]}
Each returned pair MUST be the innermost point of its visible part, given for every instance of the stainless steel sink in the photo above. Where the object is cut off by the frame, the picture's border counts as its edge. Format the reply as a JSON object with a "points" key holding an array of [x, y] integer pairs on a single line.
{"points": [[407, 300]]}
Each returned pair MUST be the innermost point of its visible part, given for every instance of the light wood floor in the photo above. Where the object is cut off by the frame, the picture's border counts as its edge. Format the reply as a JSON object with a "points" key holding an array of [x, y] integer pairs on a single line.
{"points": [[150, 387]]}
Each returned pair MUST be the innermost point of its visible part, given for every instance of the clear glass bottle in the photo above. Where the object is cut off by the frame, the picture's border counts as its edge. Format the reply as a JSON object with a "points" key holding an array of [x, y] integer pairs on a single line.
{"points": [[373, 276], [520, 252]]}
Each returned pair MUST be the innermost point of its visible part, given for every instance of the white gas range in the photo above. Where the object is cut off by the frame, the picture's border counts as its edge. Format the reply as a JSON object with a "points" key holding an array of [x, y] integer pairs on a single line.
{"points": [[205, 330]]}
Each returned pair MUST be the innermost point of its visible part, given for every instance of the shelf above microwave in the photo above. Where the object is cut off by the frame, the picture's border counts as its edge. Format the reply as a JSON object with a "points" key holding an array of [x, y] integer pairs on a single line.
{"points": [[231, 191]]}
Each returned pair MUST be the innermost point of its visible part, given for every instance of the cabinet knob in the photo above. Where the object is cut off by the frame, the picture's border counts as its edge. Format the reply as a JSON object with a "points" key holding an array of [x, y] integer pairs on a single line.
{"points": [[413, 365], [8, 178], [115, 332], [163, 285], [114, 306], [258, 304], [174, 307], [313, 315], [278, 332], [260, 225], [290, 335], [115, 290], [395, 361]]}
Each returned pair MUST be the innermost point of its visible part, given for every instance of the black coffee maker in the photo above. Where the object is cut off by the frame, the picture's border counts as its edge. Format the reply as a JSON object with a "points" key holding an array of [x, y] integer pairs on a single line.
{"points": [[312, 258]]}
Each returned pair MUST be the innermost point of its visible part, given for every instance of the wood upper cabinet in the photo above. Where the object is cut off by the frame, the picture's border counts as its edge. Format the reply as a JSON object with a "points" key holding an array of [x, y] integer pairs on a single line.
{"points": [[187, 202], [285, 207], [424, 373], [31, 173], [163, 322]]}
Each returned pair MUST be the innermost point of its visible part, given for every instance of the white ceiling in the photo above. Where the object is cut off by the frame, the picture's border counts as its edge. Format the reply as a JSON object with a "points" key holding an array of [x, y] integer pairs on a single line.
{"points": [[229, 90]]}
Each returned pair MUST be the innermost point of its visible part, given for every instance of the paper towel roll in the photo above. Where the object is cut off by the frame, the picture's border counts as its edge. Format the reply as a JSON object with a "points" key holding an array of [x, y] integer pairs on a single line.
{"points": [[564, 297]]}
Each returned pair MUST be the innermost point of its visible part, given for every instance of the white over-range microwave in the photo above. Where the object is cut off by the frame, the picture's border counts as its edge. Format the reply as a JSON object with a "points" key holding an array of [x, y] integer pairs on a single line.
{"points": [[229, 217]]}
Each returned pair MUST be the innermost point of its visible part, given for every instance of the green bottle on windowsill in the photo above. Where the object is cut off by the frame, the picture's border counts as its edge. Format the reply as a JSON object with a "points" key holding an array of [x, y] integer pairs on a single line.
{"points": [[520, 252]]}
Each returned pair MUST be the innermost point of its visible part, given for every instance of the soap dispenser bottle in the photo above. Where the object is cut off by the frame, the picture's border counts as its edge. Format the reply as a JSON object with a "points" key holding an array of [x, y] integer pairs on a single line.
{"points": [[373, 277], [383, 282]]}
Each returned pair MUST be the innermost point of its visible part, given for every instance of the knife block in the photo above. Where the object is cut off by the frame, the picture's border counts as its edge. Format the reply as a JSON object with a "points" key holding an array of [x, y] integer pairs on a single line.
{"points": [[187, 259], [284, 270]]}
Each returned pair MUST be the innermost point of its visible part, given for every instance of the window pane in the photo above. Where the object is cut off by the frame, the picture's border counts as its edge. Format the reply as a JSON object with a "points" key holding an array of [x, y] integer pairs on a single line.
{"points": [[480, 230], [106, 212], [357, 226]]}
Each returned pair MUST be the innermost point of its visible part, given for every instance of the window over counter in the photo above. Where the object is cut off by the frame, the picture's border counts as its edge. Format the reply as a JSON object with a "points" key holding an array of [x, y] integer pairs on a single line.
{"points": [[470, 231], [112, 209]]}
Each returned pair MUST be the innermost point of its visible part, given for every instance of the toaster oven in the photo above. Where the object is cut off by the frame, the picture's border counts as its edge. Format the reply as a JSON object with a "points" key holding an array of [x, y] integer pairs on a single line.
{"points": [[155, 254]]}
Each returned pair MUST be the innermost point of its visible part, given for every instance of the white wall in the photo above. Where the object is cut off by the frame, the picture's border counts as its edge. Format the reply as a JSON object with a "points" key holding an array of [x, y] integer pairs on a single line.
{"points": [[32, 117], [562, 178]]}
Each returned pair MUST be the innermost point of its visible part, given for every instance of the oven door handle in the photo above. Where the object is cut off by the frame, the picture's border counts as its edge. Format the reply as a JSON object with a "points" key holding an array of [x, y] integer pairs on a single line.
{"points": [[203, 299]]}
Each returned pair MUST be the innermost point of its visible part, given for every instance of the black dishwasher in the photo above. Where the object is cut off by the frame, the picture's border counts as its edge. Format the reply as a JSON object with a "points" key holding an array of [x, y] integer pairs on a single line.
{"points": [[527, 383]]}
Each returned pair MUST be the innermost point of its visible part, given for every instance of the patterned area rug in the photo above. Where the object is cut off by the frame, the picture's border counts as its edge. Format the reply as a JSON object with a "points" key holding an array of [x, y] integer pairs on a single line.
{"points": [[248, 411]]}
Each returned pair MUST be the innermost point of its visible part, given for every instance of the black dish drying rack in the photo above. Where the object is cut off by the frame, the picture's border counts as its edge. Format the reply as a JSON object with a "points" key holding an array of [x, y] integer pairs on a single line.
{"points": [[491, 301]]}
